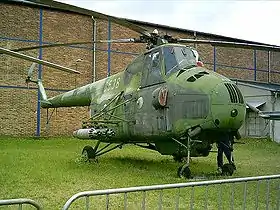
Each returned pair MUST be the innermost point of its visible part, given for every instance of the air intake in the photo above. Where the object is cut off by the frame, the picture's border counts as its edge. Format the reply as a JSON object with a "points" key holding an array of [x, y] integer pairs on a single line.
{"points": [[234, 93]]}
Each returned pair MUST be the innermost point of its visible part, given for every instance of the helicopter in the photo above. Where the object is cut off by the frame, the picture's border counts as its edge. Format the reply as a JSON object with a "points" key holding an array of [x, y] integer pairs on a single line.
{"points": [[165, 100]]}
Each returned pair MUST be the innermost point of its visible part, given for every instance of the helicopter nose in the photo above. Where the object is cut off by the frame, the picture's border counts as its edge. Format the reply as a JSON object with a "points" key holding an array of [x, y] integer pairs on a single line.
{"points": [[227, 106]]}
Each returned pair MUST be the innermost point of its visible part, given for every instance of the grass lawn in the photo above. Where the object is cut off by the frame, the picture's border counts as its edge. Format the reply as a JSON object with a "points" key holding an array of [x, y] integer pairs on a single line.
{"points": [[50, 171]]}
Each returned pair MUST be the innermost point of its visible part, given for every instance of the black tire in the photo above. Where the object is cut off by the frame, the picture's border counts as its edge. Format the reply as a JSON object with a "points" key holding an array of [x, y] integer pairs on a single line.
{"points": [[227, 169], [186, 173], [88, 153]]}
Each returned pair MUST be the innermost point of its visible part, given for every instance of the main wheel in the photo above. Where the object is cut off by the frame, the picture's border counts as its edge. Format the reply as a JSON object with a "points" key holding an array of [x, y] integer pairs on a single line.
{"points": [[185, 173], [227, 169], [88, 153]]}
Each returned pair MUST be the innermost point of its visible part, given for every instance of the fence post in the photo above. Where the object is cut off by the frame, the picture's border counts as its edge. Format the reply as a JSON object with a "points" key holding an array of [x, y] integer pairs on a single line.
{"points": [[255, 65], [214, 59], [268, 63], [109, 49], [38, 127]]}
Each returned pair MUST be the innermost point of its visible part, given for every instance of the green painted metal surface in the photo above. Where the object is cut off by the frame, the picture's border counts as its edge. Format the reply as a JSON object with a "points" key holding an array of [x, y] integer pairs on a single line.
{"points": [[161, 95]]}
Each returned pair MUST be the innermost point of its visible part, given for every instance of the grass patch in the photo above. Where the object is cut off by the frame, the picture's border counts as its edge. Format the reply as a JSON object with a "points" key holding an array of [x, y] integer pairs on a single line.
{"points": [[50, 171]]}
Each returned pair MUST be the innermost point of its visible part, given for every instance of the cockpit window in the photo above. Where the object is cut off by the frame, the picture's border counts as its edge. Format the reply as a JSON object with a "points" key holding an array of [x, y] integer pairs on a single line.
{"points": [[169, 59], [178, 57], [155, 59]]}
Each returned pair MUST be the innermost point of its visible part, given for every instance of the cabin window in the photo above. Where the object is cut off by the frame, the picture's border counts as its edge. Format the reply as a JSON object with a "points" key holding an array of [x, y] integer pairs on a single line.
{"points": [[170, 60], [178, 57], [152, 68], [135, 67]]}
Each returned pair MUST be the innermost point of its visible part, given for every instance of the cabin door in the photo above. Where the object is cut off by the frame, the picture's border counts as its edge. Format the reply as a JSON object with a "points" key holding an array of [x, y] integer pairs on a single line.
{"points": [[148, 119], [152, 69]]}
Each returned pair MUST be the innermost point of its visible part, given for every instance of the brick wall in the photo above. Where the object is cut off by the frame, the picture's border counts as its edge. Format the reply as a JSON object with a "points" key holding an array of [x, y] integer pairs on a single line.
{"points": [[18, 111]]}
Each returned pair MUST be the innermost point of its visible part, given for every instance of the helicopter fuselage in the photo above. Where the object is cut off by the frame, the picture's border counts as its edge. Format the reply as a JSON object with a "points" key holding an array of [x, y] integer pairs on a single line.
{"points": [[146, 103]]}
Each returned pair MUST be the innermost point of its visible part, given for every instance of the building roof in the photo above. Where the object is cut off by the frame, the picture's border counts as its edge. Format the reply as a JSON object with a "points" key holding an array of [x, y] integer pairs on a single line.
{"points": [[261, 85], [132, 24]]}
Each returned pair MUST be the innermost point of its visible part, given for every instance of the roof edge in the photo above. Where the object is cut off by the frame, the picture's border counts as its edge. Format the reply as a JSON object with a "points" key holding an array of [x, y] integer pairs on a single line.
{"points": [[274, 87], [79, 10]]}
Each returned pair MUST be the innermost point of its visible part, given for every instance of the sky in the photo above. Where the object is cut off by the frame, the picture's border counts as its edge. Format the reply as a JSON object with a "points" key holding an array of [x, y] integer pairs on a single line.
{"points": [[250, 20]]}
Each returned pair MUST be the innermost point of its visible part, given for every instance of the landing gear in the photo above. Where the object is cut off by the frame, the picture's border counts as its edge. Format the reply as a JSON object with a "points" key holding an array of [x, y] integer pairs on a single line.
{"points": [[184, 170], [89, 152], [228, 169]]}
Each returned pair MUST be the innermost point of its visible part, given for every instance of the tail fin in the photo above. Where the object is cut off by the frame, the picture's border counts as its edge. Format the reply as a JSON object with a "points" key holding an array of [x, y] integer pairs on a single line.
{"points": [[44, 98], [42, 90]]}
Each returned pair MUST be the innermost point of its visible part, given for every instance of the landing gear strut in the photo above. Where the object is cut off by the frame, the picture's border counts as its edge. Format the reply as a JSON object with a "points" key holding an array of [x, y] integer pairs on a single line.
{"points": [[89, 152], [184, 170]]}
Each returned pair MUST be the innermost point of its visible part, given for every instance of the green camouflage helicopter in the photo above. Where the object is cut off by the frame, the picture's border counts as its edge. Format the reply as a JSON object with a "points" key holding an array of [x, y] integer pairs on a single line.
{"points": [[165, 100]]}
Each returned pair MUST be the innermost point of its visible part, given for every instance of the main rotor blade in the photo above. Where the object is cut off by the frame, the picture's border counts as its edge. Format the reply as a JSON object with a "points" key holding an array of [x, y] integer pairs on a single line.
{"points": [[73, 43], [274, 115], [254, 109], [31, 69], [36, 60], [130, 25], [232, 44], [67, 7]]}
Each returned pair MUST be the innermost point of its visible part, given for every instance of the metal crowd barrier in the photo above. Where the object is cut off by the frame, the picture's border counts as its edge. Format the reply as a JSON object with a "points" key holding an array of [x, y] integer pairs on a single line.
{"points": [[20, 202], [261, 192]]}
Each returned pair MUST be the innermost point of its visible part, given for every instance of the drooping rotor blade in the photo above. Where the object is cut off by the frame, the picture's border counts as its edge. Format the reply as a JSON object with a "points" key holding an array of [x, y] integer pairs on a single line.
{"points": [[73, 43], [31, 69], [36, 60], [254, 109], [274, 115], [67, 7], [232, 44], [130, 25]]}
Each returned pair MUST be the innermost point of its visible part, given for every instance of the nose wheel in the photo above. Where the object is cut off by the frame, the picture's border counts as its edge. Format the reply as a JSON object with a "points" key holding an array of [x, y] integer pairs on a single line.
{"points": [[184, 170], [228, 169]]}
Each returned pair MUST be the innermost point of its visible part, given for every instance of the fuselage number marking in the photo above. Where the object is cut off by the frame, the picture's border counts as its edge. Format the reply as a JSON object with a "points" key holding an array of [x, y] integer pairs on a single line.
{"points": [[112, 84]]}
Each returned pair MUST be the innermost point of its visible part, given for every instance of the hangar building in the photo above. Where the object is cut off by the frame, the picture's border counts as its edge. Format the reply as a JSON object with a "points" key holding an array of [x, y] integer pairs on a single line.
{"points": [[24, 23]]}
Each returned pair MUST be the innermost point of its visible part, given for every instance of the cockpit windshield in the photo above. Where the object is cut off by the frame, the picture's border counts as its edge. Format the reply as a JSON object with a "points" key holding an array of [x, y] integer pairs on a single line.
{"points": [[179, 57]]}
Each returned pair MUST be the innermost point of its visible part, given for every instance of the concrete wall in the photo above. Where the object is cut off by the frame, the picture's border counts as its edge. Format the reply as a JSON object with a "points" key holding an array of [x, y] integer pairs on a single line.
{"points": [[20, 27]]}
